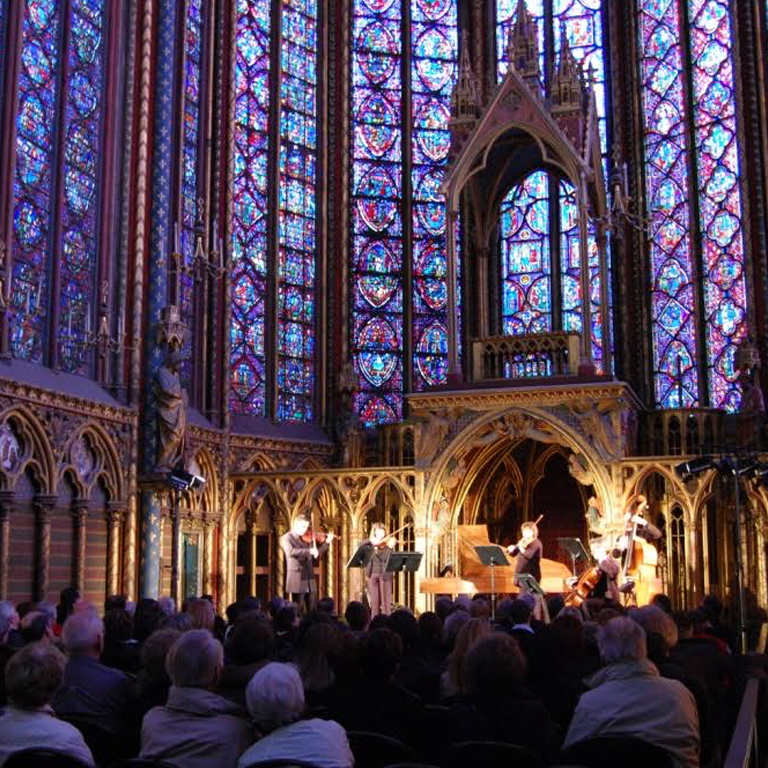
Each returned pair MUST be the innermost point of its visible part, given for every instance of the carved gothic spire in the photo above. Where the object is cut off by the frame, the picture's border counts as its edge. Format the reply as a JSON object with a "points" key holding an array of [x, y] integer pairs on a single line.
{"points": [[567, 86], [465, 99], [523, 48]]}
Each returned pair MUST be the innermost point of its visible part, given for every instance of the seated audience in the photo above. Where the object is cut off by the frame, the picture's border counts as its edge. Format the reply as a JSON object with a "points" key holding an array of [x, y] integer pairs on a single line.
{"points": [[89, 689], [181, 622], [497, 707], [628, 697], [315, 644], [152, 683], [146, 618], [248, 648], [196, 728], [9, 621], [357, 616], [275, 699], [69, 597], [31, 678], [453, 682], [202, 613], [36, 626], [121, 651]]}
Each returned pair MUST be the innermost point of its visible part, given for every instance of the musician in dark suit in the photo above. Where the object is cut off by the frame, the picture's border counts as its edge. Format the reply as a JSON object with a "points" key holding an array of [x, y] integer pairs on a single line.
{"points": [[527, 552], [378, 582], [300, 556]]}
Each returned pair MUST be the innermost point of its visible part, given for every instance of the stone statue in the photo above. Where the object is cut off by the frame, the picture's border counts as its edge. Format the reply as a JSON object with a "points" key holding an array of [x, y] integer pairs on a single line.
{"points": [[171, 404], [751, 414], [579, 471]]}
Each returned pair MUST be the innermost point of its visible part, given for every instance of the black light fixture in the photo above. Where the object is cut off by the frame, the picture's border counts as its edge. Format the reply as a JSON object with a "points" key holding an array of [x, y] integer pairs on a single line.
{"points": [[695, 466], [181, 480]]}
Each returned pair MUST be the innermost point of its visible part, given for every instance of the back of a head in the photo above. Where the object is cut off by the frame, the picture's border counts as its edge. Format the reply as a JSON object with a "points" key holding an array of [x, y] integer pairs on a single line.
{"points": [[248, 605], [430, 629], [381, 652], [622, 640], [443, 606], [146, 618], [495, 666], [48, 609], [68, 597], [182, 622], [251, 639], [404, 623], [154, 652], [33, 674], [285, 618], [34, 626], [118, 625], [114, 601], [202, 613], [275, 696], [568, 632], [82, 633], [662, 601], [7, 617], [713, 608], [655, 621], [453, 625], [195, 660], [480, 608], [167, 605], [555, 604], [520, 612], [684, 623], [326, 605], [357, 616]]}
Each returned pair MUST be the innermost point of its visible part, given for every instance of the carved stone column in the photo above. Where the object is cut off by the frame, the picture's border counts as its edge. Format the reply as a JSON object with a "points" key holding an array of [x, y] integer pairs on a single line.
{"points": [[250, 528], [280, 564], [7, 507], [176, 552], [43, 506], [483, 311], [80, 508], [209, 526], [115, 514]]}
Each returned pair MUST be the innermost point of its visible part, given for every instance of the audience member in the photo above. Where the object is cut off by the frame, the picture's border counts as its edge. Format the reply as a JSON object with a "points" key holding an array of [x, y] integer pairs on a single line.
{"points": [[146, 619], [202, 614], [69, 597], [196, 728], [181, 622], [630, 698], [453, 682], [497, 707], [152, 683], [36, 626], [357, 616], [121, 651], [316, 642], [9, 620], [32, 676], [89, 689], [114, 601], [248, 648], [167, 605], [275, 698]]}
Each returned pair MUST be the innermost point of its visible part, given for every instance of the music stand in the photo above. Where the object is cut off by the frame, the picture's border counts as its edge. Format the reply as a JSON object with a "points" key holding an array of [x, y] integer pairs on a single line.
{"points": [[362, 556], [529, 580], [492, 556], [575, 549], [403, 562]]}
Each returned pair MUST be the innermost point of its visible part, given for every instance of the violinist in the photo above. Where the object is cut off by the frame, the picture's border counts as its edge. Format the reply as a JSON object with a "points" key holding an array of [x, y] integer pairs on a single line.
{"points": [[302, 547], [378, 582], [527, 552]]}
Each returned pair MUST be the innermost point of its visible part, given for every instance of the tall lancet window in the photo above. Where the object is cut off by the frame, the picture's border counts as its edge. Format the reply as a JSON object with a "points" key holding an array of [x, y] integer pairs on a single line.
{"points": [[693, 199], [274, 248], [57, 181], [538, 230], [404, 66]]}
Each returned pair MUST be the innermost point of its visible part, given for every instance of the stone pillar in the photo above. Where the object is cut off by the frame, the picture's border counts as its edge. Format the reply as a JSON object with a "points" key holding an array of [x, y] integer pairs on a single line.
{"points": [[280, 564], [115, 515], [250, 567], [586, 304], [483, 310], [209, 526], [454, 370], [345, 555], [43, 506], [151, 541], [176, 551], [7, 507], [80, 508]]}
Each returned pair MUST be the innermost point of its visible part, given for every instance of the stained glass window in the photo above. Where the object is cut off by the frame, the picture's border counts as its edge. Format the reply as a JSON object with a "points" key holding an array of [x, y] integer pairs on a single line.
{"points": [[249, 241], [672, 130], [257, 267], [42, 91], [33, 185], [433, 73], [298, 242], [526, 267], [526, 246], [190, 152], [380, 259]]}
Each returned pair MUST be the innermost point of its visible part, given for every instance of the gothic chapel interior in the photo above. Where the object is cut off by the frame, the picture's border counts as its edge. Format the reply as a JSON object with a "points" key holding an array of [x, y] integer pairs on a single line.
{"points": [[436, 263]]}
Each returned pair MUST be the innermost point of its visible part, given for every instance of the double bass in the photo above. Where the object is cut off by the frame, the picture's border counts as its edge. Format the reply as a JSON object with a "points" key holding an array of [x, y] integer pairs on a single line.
{"points": [[640, 561]]}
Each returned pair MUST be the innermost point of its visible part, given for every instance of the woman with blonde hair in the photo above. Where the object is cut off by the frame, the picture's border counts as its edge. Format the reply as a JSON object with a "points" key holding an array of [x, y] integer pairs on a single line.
{"points": [[453, 682]]}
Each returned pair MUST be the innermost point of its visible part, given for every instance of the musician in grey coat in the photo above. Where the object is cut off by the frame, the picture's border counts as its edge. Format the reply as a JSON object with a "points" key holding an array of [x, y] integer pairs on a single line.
{"points": [[300, 557]]}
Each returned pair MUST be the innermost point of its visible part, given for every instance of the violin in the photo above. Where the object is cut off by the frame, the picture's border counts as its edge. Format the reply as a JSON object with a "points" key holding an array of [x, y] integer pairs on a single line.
{"points": [[317, 537]]}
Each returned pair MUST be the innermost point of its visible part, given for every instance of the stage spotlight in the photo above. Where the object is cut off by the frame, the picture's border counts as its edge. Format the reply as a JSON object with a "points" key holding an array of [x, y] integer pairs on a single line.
{"points": [[695, 466], [181, 480]]}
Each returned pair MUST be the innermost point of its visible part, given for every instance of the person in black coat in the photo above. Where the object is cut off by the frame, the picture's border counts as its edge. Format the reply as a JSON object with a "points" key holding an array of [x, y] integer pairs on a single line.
{"points": [[527, 552], [300, 556]]}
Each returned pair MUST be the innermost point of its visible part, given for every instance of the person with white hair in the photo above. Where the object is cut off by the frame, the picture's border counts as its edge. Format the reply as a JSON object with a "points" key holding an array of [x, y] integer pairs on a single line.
{"points": [[275, 698], [31, 677], [167, 605], [90, 689], [9, 620], [628, 697], [196, 728]]}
